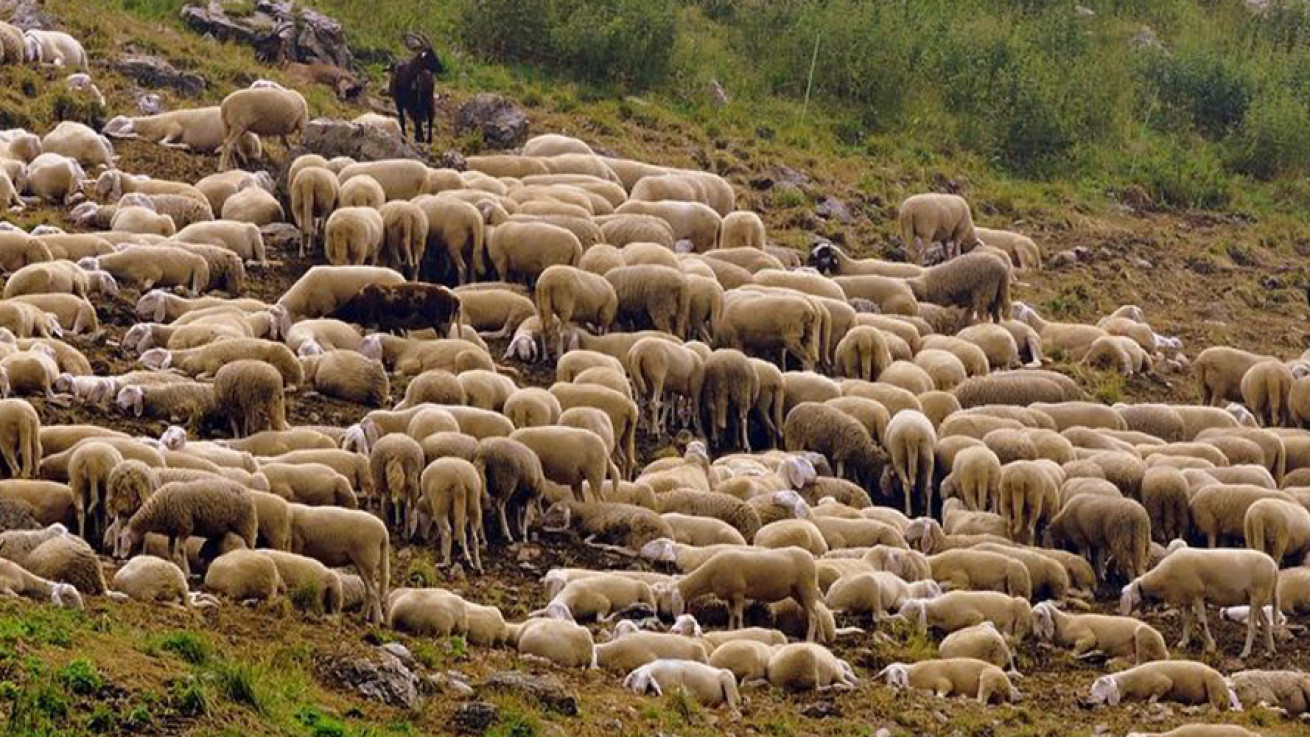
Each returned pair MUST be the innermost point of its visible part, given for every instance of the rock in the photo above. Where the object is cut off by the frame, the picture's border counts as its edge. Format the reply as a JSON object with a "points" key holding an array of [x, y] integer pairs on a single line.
{"points": [[148, 103], [1082, 253], [26, 14], [447, 685], [503, 124], [1082, 11], [832, 208], [545, 690], [452, 160], [1063, 259], [280, 237], [821, 710], [1141, 263], [330, 138], [401, 652], [475, 717], [156, 73], [279, 31], [1146, 38], [379, 676], [883, 732], [788, 175]]}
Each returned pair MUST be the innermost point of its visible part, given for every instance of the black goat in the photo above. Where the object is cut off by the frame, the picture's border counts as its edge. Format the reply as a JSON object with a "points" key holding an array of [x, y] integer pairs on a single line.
{"points": [[412, 85]]}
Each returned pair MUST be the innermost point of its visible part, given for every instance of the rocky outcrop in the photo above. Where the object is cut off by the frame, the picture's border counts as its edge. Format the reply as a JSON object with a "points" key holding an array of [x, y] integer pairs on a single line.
{"points": [[329, 138], [156, 73], [280, 31], [502, 124]]}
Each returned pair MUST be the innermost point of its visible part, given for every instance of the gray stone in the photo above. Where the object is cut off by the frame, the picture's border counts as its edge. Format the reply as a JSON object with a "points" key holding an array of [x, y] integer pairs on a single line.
{"points": [[281, 238], [26, 14], [832, 208], [545, 690], [1082, 11], [280, 31], [331, 138], [452, 160], [379, 676], [1146, 38], [1063, 259], [400, 651], [1141, 263], [153, 72], [502, 124], [475, 717]]}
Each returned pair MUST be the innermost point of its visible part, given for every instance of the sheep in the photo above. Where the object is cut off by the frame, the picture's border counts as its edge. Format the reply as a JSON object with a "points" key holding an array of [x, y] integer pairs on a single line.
{"points": [[395, 464], [1025, 254], [244, 575], [978, 570], [596, 597], [1200, 730], [523, 250], [910, 441], [353, 236], [809, 667], [1219, 511], [314, 196], [722, 507], [345, 374], [625, 526], [1219, 373], [1288, 690], [335, 536], [944, 677], [532, 407], [250, 393], [307, 581], [175, 401], [708, 685], [741, 229], [557, 641], [930, 218], [453, 490], [405, 237], [57, 48], [1191, 578], [323, 289], [978, 282], [513, 479], [977, 472], [88, 471], [311, 484], [570, 456], [1182, 681], [74, 314], [651, 295], [180, 510], [1265, 389], [656, 365], [568, 294], [1105, 526], [956, 610], [980, 642], [263, 112], [1088, 635], [1278, 528], [763, 575], [80, 143], [16, 582], [205, 361], [20, 438], [690, 221], [151, 580], [216, 188], [427, 612], [876, 593], [54, 178], [840, 438]]}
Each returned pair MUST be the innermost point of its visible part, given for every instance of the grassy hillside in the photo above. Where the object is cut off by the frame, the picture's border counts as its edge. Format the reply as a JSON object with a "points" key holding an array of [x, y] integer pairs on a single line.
{"points": [[1191, 157]]}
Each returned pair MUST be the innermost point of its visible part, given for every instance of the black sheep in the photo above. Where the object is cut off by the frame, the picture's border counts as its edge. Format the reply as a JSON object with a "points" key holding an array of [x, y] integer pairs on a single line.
{"points": [[396, 308]]}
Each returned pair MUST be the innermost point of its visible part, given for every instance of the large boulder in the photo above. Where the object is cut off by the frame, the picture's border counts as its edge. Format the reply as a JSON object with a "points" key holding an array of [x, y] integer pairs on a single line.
{"points": [[502, 123], [26, 14], [379, 676], [156, 73], [280, 31], [329, 138]]}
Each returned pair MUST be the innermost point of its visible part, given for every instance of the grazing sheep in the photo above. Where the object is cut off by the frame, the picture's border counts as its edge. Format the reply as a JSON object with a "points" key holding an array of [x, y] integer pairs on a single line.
{"points": [[1278, 528], [956, 610], [763, 575], [936, 218], [180, 510], [336, 537], [910, 442], [264, 112], [568, 294], [314, 196], [1105, 527], [152, 580], [557, 641], [570, 456], [841, 439], [1191, 578], [453, 490], [20, 438], [1219, 373], [16, 582], [1181, 681]]}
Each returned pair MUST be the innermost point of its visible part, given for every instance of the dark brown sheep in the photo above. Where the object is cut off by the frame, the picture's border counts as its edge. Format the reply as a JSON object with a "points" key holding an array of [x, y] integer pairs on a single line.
{"points": [[395, 308]]}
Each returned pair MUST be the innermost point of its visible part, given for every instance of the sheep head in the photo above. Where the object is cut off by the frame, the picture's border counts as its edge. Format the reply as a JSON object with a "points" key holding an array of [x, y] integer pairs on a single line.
{"points": [[139, 338], [157, 359], [897, 675], [1130, 598], [641, 681], [371, 347], [660, 549], [132, 399], [174, 438], [687, 626], [624, 627], [1044, 620], [65, 595], [798, 471], [1105, 691], [523, 348], [668, 598]]}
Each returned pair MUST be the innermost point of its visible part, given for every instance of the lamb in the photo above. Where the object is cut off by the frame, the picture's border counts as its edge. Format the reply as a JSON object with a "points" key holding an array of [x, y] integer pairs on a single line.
{"points": [[345, 374], [1182, 681], [936, 218], [910, 442], [956, 610], [809, 667], [263, 112], [596, 597], [1288, 690], [708, 685], [1191, 578], [1105, 526], [453, 490], [1278, 528], [174, 401], [314, 195], [763, 575], [244, 575], [337, 537], [979, 642], [570, 456], [1088, 635], [180, 510], [568, 294], [953, 677]]}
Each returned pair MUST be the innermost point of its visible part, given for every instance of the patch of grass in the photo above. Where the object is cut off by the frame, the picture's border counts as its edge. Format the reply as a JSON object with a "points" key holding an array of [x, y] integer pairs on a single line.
{"points": [[514, 722], [42, 626], [191, 647], [1108, 387], [421, 573], [242, 684], [190, 697], [307, 598], [788, 196], [320, 724], [80, 677]]}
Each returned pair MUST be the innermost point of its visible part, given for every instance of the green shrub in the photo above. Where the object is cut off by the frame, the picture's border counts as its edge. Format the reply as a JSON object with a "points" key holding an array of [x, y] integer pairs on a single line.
{"points": [[243, 684], [508, 30], [1206, 86], [188, 646], [80, 677], [1178, 177], [190, 697], [1274, 140]]}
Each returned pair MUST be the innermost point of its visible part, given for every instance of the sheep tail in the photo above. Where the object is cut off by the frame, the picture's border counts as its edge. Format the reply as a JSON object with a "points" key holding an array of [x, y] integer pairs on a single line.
{"points": [[385, 583], [638, 376], [395, 476]]}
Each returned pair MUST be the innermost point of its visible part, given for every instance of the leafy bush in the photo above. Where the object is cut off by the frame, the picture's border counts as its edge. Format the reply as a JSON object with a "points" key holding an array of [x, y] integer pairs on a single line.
{"points": [[1179, 177], [624, 42], [81, 677], [1274, 139], [1208, 87]]}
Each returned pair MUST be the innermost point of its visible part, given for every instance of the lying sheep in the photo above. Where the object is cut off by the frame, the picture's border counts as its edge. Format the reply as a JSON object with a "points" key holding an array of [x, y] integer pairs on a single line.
{"points": [[1181, 681], [959, 609], [16, 582], [979, 642], [152, 580], [557, 641], [708, 685], [1288, 690], [244, 575], [809, 667], [1090, 635], [953, 677]]}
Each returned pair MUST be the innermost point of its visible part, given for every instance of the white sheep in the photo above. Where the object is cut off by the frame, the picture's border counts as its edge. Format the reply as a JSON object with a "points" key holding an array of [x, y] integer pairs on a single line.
{"points": [[263, 112], [910, 442], [1182, 681], [944, 677], [708, 685]]}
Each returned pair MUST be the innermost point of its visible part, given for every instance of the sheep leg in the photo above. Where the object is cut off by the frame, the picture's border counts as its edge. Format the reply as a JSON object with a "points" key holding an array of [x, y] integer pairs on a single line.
{"points": [[444, 531], [744, 434], [737, 613], [1205, 626], [504, 523]]}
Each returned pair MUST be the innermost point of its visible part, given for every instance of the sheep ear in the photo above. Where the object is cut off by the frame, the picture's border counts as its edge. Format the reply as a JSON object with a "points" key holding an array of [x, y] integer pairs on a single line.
{"points": [[138, 403]]}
